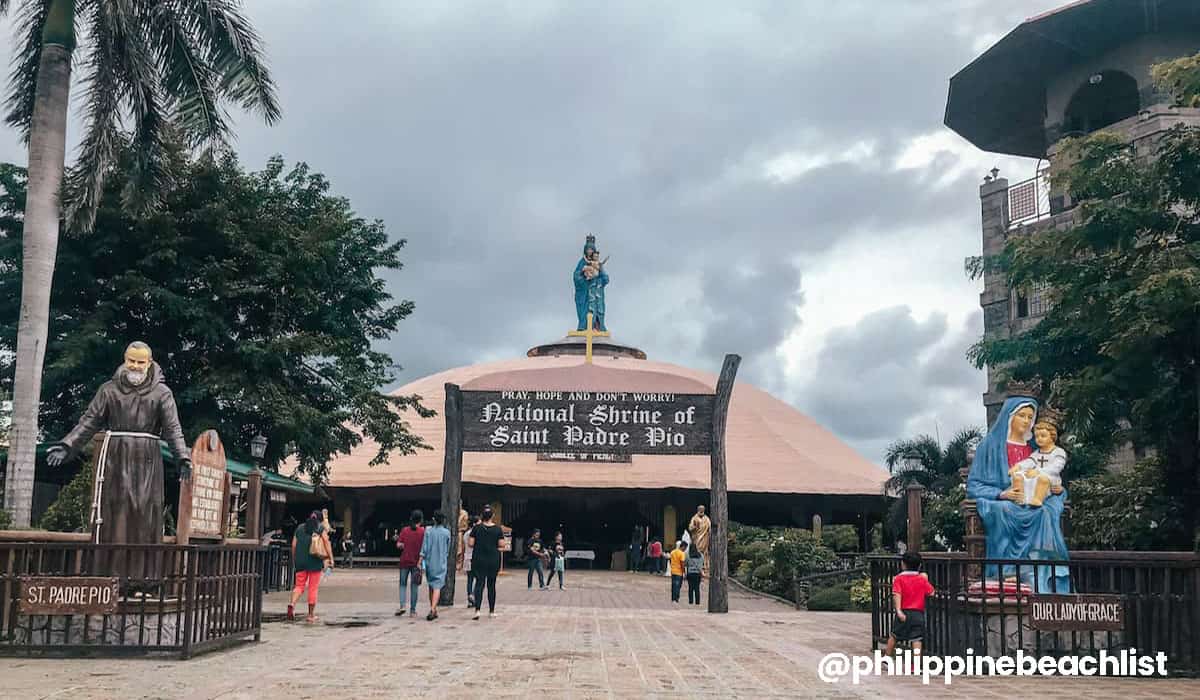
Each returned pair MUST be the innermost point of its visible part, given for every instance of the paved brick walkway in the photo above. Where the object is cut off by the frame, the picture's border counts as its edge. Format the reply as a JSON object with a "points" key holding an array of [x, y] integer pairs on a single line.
{"points": [[608, 635]]}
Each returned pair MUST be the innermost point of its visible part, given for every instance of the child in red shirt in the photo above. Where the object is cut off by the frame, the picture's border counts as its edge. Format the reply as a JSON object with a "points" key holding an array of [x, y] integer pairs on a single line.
{"points": [[909, 589]]}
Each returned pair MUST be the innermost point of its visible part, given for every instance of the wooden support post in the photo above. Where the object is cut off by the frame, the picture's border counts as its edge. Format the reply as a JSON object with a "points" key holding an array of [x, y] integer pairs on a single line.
{"points": [[913, 492], [254, 493], [183, 519], [718, 584], [670, 520], [452, 484]]}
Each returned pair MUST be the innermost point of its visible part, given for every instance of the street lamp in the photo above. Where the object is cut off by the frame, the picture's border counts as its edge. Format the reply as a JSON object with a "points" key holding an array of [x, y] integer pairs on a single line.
{"points": [[912, 462], [258, 446]]}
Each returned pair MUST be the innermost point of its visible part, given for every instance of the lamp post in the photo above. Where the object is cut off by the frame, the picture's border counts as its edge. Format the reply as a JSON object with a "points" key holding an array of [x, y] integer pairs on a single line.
{"points": [[913, 463], [258, 449]]}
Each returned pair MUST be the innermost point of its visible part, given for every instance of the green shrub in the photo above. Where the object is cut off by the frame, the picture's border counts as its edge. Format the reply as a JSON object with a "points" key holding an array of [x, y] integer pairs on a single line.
{"points": [[1130, 509], [836, 599], [840, 538], [69, 512], [860, 593], [5, 519], [798, 552]]}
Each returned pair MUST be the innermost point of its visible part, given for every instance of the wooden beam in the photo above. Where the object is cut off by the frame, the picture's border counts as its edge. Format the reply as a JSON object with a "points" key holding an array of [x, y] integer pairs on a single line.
{"points": [[452, 484], [718, 583]]}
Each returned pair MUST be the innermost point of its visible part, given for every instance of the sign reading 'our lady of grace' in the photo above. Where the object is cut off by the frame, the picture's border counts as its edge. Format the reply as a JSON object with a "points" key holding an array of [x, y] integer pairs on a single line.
{"points": [[578, 422]]}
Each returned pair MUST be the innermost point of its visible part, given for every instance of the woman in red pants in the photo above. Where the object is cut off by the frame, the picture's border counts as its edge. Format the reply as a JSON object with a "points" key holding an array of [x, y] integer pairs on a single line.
{"points": [[308, 565]]}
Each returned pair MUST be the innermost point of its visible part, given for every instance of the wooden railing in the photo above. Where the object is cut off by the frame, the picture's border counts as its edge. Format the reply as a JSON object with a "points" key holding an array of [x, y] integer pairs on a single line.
{"points": [[170, 598], [1160, 592]]}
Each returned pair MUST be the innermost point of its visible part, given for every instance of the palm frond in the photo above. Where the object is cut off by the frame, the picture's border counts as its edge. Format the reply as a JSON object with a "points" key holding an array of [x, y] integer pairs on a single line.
{"points": [[30, 20], [187, 78], [3, 7], [234, 51], [102, 134]]}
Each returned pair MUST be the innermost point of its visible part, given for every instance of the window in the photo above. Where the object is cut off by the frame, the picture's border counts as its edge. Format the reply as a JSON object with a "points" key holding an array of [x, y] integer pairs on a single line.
{"points": [[1039, 299], [1022, 304]]}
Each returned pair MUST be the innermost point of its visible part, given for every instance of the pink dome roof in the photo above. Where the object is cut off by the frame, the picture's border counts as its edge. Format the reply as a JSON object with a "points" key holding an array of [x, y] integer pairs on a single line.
{"points": [[770, 446]]}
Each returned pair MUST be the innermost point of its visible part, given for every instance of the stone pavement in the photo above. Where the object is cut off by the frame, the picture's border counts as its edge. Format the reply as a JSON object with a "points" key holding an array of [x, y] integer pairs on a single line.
{"points": [[608, 635]]}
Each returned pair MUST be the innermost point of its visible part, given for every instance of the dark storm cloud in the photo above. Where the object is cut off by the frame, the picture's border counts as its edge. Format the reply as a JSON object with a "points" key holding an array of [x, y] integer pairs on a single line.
{"points": [[493, 137], [890, 376]]}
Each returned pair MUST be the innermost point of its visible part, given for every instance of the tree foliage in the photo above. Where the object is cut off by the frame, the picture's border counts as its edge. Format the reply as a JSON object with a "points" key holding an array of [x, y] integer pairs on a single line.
{"points": [[1181, 78], [939, 473], [1122, 339], [1128, 510], [150, 71], [258, 292]]}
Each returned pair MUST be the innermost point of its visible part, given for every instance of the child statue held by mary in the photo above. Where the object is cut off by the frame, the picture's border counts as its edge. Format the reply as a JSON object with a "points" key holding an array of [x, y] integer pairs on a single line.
{"points": [[1015, 530]]}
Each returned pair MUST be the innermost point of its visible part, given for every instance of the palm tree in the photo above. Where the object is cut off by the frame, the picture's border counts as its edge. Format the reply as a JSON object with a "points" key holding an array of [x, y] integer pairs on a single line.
{"points": [[165, 68], [932, 466]]}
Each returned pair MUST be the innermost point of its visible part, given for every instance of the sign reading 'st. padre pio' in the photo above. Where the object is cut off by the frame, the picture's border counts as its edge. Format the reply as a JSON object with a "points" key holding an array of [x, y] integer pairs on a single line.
{"points": [[587, 422]]}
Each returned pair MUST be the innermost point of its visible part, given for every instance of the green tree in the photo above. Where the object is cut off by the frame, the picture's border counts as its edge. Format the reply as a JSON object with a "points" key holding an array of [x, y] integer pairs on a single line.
{"points": [[162, 67], [1122, 340], [937, 472], [258, 292]]}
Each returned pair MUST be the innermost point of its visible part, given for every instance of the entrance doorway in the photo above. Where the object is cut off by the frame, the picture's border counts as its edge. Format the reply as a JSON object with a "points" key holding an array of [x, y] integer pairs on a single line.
{"points": [[604, 526]]}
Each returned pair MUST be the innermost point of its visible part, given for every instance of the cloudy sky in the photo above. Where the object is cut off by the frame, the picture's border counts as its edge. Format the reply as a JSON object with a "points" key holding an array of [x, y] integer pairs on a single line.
{"points": [[770, 178]]}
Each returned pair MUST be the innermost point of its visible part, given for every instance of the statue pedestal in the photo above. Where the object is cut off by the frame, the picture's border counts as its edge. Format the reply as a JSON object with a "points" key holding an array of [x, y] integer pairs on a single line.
{"points": [[993, 627]]}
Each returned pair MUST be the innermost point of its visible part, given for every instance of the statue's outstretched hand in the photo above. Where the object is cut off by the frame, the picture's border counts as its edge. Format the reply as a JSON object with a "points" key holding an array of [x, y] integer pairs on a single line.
{"points": [[56, 455], [185, 469], [1056, 490]]}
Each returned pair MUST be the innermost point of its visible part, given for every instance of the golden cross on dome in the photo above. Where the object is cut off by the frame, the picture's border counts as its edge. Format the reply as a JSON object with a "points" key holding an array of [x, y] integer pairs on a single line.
{"points": [[590, 333]]}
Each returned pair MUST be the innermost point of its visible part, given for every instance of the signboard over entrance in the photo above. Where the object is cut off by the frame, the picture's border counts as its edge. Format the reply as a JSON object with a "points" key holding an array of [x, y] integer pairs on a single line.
{"points": [[616, 423]]}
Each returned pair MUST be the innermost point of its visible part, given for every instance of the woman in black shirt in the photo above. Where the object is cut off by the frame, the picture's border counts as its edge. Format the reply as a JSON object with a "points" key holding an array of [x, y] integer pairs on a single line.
{"points": [[485, 560]]}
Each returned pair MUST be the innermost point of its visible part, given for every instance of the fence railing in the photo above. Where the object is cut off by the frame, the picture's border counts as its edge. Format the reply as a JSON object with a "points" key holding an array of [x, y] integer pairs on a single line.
{"points": [[973, 609], [168, 598], [278, 573]]}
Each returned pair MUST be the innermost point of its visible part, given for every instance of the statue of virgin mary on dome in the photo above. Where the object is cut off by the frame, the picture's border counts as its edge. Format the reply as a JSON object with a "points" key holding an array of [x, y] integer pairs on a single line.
{"points": [[1015, 530]]}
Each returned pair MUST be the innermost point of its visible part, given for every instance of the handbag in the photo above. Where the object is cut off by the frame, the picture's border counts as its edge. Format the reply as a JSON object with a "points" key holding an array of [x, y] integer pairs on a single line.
{"points": [[316, 547], [416, 576]]}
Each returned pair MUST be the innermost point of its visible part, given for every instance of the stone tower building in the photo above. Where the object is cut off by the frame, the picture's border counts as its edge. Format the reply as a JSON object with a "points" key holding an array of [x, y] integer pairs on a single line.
{"points": [[1081, 68]]}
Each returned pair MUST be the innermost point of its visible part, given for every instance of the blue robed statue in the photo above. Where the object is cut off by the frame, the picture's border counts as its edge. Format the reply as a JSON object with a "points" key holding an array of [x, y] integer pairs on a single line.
{"points": [[1019, 495], [590, 281]]}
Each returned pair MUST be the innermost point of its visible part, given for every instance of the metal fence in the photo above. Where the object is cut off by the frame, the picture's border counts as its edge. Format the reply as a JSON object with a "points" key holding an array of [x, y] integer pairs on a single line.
{"points": [[171, 598], [1160, 592]]}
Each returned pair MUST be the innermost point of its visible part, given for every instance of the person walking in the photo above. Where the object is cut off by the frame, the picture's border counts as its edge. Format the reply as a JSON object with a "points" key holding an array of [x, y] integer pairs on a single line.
{"points": [[677, 570], [467, 552], [655, 554], [558, 560], [309, 536], [694, 566], [434, 552], [409, 541], [348, 551], [485, 559], [534, 553]]}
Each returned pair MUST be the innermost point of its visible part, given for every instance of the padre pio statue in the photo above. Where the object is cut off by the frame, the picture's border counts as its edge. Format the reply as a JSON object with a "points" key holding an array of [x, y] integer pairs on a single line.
{"points": [[590, 281], [133, 410], [700, 529]]}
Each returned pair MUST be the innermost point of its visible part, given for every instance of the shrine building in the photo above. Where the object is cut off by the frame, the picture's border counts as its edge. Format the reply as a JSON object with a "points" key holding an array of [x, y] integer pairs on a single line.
{"points": [[783, 468]]}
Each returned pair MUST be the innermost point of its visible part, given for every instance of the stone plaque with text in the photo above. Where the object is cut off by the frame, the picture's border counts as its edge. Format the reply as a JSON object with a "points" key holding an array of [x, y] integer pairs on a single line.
{"points": [[208, 486], [609, 423]]}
